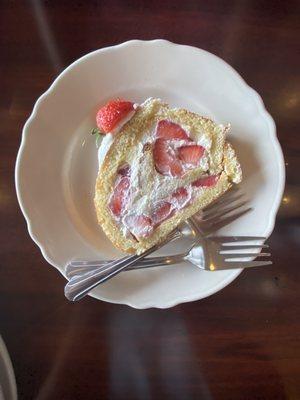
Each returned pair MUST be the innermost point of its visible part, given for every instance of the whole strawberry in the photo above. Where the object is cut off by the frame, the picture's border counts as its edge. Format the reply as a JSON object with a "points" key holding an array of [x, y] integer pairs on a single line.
{"points": [[112, 113]]}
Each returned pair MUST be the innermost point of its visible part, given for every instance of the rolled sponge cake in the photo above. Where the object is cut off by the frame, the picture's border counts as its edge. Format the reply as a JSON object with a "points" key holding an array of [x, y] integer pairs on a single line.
{"points": [[133, 145]]}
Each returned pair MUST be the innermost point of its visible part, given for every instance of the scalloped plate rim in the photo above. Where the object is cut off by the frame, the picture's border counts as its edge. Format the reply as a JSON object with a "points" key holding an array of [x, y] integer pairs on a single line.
{"points": [[261, 109]]}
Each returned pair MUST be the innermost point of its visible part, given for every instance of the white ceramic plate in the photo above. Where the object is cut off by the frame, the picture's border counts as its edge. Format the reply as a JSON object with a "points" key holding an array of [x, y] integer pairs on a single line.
{"points": [[57, 161]]}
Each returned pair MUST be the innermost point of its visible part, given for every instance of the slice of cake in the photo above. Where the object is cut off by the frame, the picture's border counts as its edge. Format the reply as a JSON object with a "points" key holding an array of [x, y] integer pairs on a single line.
{"points": [[158, 167]]}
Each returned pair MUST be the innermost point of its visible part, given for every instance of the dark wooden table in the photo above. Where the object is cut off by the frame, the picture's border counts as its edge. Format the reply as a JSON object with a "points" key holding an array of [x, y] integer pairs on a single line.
{"points": [[243, 342]]}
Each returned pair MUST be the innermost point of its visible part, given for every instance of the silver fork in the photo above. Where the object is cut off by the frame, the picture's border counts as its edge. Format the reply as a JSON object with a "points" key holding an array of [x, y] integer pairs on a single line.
{"points": [[216, 253], [80, 285], [215, 216], [225, 248], [212, 254]]}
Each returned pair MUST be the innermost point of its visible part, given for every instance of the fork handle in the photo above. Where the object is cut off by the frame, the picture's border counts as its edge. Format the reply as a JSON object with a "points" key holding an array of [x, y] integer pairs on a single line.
{"points": [[80, 286], [73, 270], [80, 268]]}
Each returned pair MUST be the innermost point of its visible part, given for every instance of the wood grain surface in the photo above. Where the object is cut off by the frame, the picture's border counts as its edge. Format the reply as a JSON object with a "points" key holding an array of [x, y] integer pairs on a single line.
{"points": [[243, 342]]}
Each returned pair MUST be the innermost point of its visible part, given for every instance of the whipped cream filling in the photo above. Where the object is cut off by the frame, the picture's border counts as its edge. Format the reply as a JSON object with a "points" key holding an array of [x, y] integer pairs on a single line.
{"points": [[108, 139], [143, 202], [106, 142]]}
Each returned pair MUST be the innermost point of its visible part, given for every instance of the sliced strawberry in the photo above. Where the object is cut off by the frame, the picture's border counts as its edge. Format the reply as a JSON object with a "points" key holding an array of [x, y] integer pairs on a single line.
{"points": [[124, 170], [207, 181], [112, 113], [119, 196], [139, 225], [191, 154], [162, 211], [165, 159], [180, 198], [169, 130]]}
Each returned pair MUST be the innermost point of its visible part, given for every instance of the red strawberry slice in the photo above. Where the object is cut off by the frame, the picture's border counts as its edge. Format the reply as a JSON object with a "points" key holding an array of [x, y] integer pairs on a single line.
{"points": [[191, 154], [119, 196], [169, 130], [180, 198], [162, 211], [165, 159], [207, 181], [124, 170], [112, 113], [139, 225]]}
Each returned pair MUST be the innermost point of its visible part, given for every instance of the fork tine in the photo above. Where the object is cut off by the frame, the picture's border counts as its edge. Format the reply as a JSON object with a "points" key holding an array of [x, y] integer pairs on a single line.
{"points": [[242, 255], [225, 221], [213, 207], [222, 212], [232, 239], [229, 196], [243, 264], [239, 246], [233, 191], [92, 263]]}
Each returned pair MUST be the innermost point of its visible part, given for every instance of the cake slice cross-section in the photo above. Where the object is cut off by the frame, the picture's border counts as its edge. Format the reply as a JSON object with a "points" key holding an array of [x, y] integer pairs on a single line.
{"points": [[163, 165]]}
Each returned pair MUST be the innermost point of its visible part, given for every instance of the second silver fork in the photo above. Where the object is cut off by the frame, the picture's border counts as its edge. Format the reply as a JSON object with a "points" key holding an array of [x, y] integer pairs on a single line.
{"points": [[215, 216]]}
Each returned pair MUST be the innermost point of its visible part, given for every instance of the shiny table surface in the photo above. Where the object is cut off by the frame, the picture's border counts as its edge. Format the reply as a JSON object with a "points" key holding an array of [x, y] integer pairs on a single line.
{"points": [[241, 343]]}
